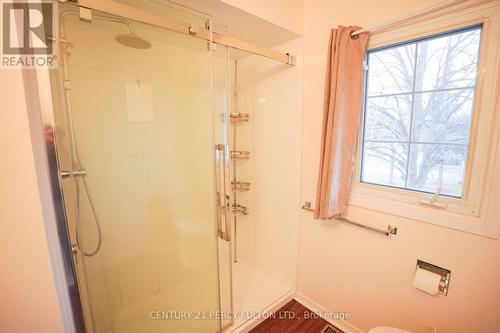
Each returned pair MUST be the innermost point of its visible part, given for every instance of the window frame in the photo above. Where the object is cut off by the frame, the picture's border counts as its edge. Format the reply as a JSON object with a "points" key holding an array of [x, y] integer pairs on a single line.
{"points": [[413, 93], [470, 212]]}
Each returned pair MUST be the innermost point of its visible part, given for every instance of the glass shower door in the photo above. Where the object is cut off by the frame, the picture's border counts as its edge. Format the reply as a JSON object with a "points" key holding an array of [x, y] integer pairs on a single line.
{"points": [[223, 182], [135, 135]]}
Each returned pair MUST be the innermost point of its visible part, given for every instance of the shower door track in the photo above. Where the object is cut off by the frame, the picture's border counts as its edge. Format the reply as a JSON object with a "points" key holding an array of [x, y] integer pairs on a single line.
{"points": [[139, 15]]}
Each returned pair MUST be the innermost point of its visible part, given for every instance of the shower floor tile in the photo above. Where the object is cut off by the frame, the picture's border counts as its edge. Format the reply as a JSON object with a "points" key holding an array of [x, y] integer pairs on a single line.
{"points": [[290, 319]]}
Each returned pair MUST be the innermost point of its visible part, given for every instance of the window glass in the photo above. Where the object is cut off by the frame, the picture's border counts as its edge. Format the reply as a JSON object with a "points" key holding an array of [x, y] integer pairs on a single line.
{"points": [[418, 112]]}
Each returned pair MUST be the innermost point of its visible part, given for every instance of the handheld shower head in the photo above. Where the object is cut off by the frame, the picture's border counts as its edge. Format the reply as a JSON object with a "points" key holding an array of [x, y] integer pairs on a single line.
{"points": [[133, 41]]}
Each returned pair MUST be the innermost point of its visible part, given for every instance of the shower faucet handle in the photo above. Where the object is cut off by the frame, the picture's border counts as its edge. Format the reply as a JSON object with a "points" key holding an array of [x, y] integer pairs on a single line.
{"points": [[240, 155], [239, 209], [240, 186], [239, 116]]}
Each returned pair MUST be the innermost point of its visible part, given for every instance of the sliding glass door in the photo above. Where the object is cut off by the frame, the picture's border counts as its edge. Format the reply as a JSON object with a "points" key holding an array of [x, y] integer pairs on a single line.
{"points": [[138, 158]]}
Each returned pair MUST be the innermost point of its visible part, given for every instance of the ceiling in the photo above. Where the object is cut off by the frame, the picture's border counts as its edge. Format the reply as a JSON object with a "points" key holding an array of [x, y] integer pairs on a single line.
{"points": [[241, 24]]}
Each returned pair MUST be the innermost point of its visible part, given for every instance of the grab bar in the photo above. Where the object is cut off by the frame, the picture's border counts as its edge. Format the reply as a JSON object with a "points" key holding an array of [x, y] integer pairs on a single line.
{"points": [[391, 230]]}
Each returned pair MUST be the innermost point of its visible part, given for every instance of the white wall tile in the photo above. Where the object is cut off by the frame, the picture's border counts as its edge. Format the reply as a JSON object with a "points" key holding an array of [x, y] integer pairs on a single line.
{"points": [[172, 269], [138, 279], [134, 244], [128, 195]]}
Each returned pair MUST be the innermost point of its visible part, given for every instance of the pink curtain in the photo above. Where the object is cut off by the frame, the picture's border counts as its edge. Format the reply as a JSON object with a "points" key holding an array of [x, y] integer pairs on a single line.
{"points": [[341, 118]]}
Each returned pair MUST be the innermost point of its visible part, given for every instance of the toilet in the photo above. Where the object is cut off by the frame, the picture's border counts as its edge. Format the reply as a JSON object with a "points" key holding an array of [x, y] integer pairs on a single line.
{"points": [[387, 330]]}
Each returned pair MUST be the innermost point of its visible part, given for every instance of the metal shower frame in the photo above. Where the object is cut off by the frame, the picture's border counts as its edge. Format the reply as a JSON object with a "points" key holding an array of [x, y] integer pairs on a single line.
{"points": [[135, 14]]}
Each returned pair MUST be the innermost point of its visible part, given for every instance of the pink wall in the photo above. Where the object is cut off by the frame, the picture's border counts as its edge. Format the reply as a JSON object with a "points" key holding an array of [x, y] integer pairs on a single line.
{"points": [[344, 268], [28, 299]]}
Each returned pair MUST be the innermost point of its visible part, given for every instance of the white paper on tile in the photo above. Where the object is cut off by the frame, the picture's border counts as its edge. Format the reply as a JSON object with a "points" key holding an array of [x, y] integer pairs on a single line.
{"points": [[139, 98]]}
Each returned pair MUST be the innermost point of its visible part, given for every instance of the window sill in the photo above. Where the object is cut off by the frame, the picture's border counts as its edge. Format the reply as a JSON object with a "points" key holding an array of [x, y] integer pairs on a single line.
{"points": [[428, 214]]}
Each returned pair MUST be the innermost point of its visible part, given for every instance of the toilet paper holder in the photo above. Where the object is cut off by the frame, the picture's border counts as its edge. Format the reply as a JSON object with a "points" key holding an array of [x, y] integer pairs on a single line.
{"points": [[445, 275]]}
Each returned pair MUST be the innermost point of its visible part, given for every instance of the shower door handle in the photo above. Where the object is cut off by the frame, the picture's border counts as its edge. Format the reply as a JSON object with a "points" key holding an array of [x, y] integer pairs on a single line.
{"points": [[223, 183]]}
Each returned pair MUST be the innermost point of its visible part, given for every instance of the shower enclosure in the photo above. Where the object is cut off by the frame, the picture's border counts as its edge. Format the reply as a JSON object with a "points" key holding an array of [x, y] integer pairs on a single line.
{"points": [[166, 232]]}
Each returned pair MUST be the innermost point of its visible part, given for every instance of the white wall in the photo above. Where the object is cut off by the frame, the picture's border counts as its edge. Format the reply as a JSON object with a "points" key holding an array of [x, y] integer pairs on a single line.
{"points": [[344, 268], [28, 295], [285, 13]]}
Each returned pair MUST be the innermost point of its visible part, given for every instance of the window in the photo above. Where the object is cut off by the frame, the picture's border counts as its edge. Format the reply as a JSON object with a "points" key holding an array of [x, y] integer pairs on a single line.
{"points": [[418, 112], [431, 120]]}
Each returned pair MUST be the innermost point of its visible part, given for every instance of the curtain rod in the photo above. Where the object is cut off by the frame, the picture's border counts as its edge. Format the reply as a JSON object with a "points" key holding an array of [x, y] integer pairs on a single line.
{"points": [[412, 17]]}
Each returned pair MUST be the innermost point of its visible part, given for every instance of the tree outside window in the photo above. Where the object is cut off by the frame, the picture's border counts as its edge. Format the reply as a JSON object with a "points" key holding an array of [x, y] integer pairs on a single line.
{"points": [[418, 112]]}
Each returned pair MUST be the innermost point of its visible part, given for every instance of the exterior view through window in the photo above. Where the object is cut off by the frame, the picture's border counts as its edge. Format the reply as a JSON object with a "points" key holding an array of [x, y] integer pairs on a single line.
{"points": [[418, 112]]}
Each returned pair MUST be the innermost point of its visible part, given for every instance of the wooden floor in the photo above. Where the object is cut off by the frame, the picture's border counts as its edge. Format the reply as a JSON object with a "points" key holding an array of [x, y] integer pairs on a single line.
{"points": [[290, 319]]}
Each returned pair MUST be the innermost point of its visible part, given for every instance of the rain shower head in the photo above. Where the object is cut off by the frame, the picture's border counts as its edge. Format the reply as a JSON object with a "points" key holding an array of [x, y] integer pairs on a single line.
{"points": [[133, 41]]}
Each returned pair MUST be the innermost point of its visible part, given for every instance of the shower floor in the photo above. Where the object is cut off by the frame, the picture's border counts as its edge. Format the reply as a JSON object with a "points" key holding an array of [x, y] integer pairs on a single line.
{"points": [[253, 291], [194, 295]]}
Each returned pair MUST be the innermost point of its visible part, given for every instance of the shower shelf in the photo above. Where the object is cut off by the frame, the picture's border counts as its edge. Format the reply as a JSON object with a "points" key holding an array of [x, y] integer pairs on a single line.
{"points": [[238, 186], [239, 210], [237, 117], [240, 155]]}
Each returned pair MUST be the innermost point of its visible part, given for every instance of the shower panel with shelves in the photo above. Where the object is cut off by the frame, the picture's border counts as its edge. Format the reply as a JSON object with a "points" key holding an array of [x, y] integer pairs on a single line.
{"points": [[238, 186], [265, 126]]}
